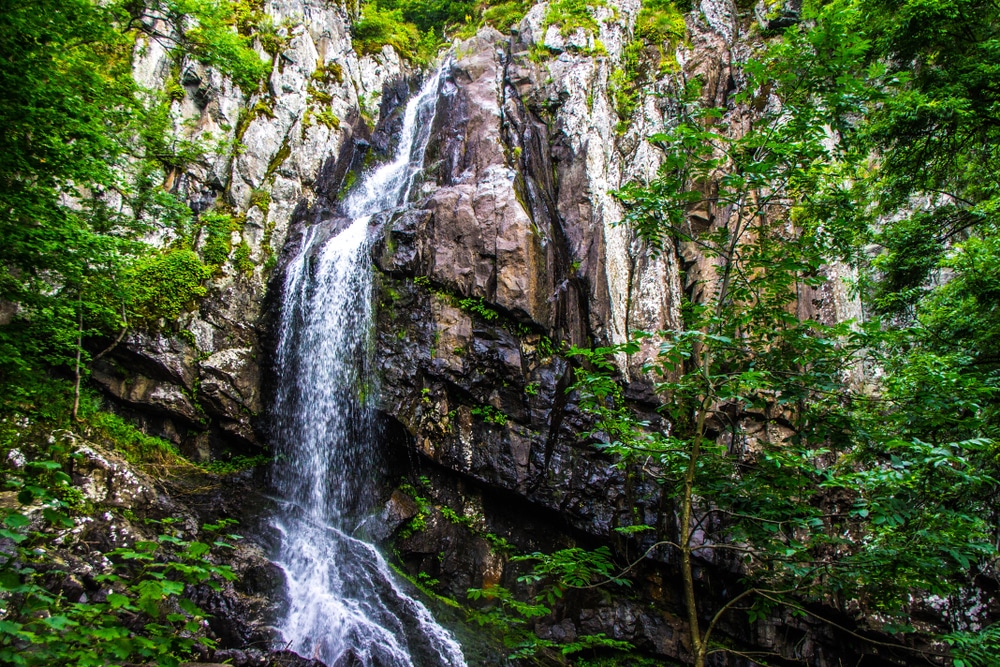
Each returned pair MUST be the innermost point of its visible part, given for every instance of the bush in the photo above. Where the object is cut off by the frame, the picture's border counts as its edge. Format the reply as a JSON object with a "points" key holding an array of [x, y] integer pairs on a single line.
{"points": [[379, 27], [433, 15], [571, 15], [504, 15], [660, 22], [166, 285], [217, 231]]}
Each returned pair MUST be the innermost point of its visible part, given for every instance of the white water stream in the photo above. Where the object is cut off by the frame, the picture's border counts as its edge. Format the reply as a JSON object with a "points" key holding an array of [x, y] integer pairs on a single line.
{"points": [[344, 603]]}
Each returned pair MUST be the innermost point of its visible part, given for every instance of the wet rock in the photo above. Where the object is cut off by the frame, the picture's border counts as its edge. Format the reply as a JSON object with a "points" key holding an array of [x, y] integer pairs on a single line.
{"points": [[260, 658], [349, 659]]}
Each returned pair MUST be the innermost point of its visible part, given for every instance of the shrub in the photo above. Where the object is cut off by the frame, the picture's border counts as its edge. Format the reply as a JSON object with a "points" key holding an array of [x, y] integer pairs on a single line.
{"points": [[166, 284], [379, 27], [217, 231], [504, 15], [571, 15]]}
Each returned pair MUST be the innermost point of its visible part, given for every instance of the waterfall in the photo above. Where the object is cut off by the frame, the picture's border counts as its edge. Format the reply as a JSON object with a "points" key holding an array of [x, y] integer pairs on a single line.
{"points": [[344, 604]]}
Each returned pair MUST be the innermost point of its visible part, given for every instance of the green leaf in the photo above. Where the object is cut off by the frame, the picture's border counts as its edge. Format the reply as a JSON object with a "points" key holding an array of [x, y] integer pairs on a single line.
{"points": [[118, 601]]}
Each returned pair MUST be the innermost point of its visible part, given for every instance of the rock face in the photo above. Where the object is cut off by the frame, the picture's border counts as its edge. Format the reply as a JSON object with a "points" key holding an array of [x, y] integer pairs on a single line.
{"points": [[198, 384], [511, 248]]}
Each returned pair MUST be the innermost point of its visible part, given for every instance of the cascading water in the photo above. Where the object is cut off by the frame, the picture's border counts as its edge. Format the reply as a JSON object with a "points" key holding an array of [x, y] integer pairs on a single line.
{"points": [[343, 600]]}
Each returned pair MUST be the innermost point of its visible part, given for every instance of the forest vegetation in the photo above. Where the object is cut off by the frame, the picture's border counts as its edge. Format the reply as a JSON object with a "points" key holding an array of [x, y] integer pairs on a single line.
{"points": [[849, 466]]}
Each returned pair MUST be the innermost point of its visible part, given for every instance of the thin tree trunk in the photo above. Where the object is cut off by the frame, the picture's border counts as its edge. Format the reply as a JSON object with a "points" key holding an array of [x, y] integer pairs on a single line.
{"points": [[687, 509], [79, 354]]}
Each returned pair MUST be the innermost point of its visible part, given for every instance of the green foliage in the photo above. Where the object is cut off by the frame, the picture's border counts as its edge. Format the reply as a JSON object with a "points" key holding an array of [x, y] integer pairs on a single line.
{"points": [[419, 520], [329, 73], [84, 155], [975, 649], [236, 464], [145, 616], [216, 236], [876, 493], [349, 180], [496, 542], [573, 15], [241, 259], [429, 16], [489, 414], [571, 568], [210, 36], [125, 439], [417, 29], [37, 419], [143, 612], [505, 15], [87, 159], [380, 26], [478, 306], [164, 285], [260, 198], [328, 118], [659, 25], [552, 575]]}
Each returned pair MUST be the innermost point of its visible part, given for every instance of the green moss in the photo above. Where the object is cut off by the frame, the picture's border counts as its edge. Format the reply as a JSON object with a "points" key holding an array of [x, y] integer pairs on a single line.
{"points": [[349, 180], [236, 464], [328, 118], [330, 73], [216, 232], [173, 89], [261, 198], [242, 123], [187, 336], [166, 284], [317, 95], [241, 259], [278, 158], [263, 108]]}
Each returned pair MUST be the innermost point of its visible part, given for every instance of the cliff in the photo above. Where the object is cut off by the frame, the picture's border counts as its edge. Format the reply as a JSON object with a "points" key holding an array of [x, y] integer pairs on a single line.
{"points": [[511, 251]]}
